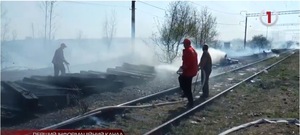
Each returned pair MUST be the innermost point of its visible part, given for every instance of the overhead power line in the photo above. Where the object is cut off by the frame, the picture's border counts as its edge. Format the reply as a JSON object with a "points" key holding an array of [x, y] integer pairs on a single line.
{"points": [[264, 14], [150, 13], [277, 12], [151, 5], [287, 24], [227, 24], [215, 9], [290, 30], [95, 4]]}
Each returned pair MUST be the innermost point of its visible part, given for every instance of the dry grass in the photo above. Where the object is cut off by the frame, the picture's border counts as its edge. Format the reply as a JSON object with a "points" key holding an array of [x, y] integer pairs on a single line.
{"points": [[272, 95], [139, 121]]}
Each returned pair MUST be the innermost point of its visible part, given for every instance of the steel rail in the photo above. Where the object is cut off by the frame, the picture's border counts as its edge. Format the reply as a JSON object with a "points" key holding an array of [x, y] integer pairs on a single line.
{"points": [[165, 92], [79, 118], [159, 129]]}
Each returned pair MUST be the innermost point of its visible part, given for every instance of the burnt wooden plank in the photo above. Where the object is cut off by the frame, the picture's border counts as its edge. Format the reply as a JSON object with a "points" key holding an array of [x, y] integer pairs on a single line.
{"points": [[69, 81], [134, 71], [24, 98], [86, 73], [110, 76], [9, 98], [48, 102], [97, 72], [114, 86], [10, 108], [141, 68], [9, 112], [122, 72], [42, 89]]}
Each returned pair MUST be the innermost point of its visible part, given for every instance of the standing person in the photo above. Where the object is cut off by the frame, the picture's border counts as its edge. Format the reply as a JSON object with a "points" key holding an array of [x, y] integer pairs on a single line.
{"points": [[205, 66], [189, 69], [59, 60]]}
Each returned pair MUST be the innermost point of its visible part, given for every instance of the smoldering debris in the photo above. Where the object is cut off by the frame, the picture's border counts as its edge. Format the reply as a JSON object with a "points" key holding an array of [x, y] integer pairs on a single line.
{"points": [[51, 93]]}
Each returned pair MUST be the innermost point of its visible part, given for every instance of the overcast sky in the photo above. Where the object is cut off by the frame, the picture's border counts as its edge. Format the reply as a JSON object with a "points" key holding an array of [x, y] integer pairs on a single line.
{"points": [[88, 17]]}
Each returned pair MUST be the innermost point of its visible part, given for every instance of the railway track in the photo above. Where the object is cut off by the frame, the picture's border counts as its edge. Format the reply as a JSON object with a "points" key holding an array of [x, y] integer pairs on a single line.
{"points": [[163, 128], [168, 116], [165, 98]]}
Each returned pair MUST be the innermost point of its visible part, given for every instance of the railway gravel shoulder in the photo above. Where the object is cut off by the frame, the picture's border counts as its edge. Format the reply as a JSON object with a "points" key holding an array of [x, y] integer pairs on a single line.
{"points": [[145, 114], [274, 94]]}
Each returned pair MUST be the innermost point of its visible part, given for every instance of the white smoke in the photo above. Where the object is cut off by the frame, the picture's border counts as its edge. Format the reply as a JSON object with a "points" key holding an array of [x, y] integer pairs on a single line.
{"points": [[85, 54], [242, 51], [283, 45], [216, 56]]}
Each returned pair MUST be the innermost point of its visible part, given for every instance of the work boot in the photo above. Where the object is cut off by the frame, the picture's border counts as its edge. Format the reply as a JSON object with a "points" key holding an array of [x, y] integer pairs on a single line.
{"points": [[190, 104], [204, 96]]}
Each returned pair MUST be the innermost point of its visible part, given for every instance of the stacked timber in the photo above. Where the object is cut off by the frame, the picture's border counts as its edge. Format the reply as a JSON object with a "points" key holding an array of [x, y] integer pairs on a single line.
{"points": [[15, 99], [133, 74], [48, 92]]}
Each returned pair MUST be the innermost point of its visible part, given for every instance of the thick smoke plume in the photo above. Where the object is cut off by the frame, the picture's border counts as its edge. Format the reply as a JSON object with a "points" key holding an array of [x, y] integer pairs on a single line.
{"points": [[216, 55], [82, 54]]}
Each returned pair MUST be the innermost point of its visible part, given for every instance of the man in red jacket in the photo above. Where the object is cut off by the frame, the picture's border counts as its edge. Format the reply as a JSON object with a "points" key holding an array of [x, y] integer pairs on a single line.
{"points": [[189, 70]]}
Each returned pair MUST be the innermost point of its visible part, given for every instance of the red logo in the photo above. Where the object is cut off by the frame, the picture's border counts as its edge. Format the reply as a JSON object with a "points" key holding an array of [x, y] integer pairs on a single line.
{"points": [[270, 18]]}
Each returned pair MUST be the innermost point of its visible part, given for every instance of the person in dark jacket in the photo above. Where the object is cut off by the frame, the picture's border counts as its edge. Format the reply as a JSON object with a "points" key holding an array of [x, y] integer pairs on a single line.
{"points": [[189, 69], [59, 60], [205, 66]]}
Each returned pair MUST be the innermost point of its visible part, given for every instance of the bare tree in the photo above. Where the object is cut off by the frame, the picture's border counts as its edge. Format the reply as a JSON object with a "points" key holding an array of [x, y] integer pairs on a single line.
{"points": [[4, 37], [109, 29], [180, 22], [4, 26], [79, 35], [53, 28], [215, 43], [51, 17], [45, 7], [260, 42], [49, 26], [289, 43], [40, 33], [32, 30], [206, 28], [14, 35]]}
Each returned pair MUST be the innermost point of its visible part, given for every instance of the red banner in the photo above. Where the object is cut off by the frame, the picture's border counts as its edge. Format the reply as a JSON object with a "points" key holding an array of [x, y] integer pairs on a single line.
{"points": [[62, 132]]}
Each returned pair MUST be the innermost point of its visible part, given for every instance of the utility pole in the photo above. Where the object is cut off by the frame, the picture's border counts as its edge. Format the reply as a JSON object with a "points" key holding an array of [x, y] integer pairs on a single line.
{"points": [[259, 14], [245, 37], [267, 32], [132, 24], [32, 30]]}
